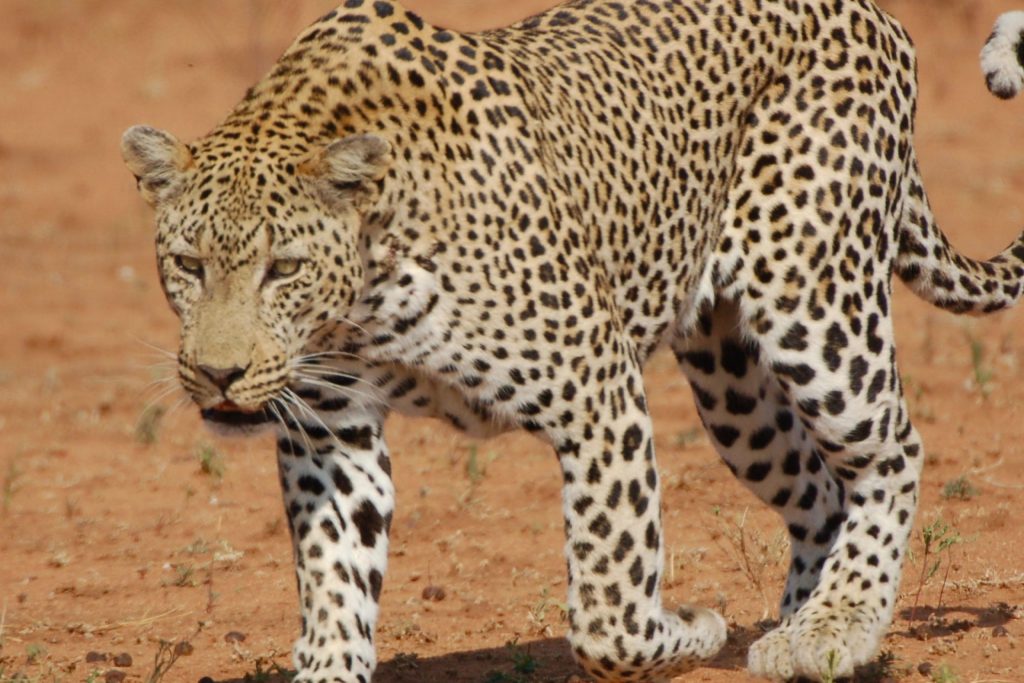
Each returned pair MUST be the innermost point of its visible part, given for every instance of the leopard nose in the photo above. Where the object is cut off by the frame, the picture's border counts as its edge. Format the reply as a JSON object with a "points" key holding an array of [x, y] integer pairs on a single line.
{"points": [[222, 378]]}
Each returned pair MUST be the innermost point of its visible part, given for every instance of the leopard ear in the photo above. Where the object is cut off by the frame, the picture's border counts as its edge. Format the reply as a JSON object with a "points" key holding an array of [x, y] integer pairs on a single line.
{"points": [[157, 159], [348, 171]]}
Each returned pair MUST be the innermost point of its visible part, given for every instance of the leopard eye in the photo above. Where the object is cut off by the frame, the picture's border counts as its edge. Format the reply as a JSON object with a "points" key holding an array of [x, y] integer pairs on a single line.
{"points": [[284, 267], [189, 264]]}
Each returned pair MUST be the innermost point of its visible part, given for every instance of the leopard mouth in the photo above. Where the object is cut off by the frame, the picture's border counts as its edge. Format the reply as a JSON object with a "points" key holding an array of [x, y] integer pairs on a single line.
{"points": [[228, 418]]}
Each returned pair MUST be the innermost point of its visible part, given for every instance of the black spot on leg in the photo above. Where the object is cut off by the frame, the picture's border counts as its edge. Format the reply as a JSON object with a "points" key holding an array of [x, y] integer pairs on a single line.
{"points": [[801, 373], [734, 359], [758, 471], [739, 404], [369, 522], [725, 434], [376, 581], [760, 439], [781, 497], [791, 464], [600, 526], [631, 441], [810, 495], [859, 433], [702, 360], [311, 484], [341, 481], [329, 530]]}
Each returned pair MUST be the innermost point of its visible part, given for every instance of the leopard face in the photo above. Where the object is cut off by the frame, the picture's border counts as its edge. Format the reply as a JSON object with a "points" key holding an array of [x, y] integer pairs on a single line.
{"points": [[257, 256]]}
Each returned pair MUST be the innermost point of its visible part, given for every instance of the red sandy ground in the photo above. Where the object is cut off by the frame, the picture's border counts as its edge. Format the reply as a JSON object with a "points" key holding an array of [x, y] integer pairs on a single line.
{"points": [[111, 545]]}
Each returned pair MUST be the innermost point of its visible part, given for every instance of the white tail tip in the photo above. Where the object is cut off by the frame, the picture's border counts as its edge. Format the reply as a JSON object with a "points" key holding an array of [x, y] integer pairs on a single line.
{"points": [[1002, 58]]}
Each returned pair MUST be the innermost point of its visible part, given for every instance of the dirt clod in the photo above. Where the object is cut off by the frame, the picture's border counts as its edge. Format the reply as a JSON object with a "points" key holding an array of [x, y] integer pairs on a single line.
{"points": [[93, 656], [434, 593], [1000, 631], [184, 649], [234, 637], [205, 679], [114, 676], [924, 668], [123, 660]]}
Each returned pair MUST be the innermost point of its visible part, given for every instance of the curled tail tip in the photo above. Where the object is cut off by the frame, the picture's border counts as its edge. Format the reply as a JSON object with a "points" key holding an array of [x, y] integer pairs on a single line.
{"points": [[1002, 58]]}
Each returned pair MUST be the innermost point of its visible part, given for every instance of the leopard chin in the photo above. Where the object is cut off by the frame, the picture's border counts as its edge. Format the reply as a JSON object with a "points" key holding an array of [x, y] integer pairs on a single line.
{"points": [[226, 419]]}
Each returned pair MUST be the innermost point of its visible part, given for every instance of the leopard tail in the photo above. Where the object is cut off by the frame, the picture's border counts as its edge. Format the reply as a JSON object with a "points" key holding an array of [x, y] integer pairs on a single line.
{"points": [[939, 274], [1002, 58], [927, 262]]}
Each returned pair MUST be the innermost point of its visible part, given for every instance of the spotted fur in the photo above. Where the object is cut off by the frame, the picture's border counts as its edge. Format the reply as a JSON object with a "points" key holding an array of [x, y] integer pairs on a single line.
{"points": [[498, 229]]}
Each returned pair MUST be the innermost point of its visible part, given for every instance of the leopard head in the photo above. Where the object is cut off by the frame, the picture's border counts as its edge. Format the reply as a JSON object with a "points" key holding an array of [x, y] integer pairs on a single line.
{"points": [[258, 253]]}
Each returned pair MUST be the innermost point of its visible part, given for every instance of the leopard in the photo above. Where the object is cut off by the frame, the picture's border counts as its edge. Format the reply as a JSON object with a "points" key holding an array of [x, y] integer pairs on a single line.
{"points": [[498, 228]]}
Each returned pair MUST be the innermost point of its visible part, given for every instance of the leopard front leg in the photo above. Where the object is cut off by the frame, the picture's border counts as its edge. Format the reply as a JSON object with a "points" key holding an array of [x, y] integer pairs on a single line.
{"points": [[612, 506], [336, 479]]}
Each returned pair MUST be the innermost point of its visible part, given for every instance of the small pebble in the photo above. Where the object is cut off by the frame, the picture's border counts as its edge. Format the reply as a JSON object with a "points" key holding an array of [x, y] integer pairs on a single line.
{"points": [[184, 649], [1000, 631], [123, 660], [234, 637], [205, 679], [94, 656], [434, 593], [924, 668], [114, 676]]}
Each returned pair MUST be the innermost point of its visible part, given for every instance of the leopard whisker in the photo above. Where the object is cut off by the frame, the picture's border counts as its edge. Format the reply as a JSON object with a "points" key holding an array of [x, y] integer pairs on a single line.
{"points": [[277, 403], [158, 349], [327, 371], [304, 407], [344, 391], [353, 323]]}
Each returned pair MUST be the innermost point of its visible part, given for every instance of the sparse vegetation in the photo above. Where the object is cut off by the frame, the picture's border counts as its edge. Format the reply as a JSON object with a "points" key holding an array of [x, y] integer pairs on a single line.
{"points": [[184, 576], [476, 471], [147, 427], [12, 482], [689, 437], [538, 615], [937, 538], [524, 665], [945, 674], [165, 658], [960, 488], [982, 373], [754, 554], [211, 462], [267, 671], [34, 653]]}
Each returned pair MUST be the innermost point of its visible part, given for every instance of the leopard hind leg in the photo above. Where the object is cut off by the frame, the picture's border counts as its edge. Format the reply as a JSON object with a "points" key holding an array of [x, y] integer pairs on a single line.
{"points": [[757, 433]]}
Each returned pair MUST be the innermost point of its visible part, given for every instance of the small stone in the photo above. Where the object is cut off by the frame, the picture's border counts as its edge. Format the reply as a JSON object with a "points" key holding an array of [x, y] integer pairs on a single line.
{"points": [[184, 649], [205, 679], [94, 656], [234, 637], [1000, 631], [434, 593], [114, 676], [924, 668], [123, 660]]}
